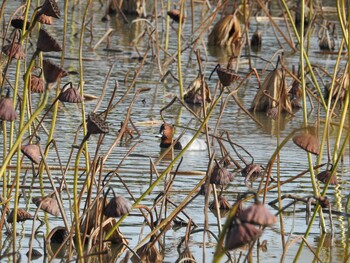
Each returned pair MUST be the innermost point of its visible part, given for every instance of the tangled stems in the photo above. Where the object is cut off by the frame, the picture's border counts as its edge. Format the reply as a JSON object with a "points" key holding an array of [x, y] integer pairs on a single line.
{"points": [[84, 145], [22, 132], [317, 208], [302, 51], [167, 170]]}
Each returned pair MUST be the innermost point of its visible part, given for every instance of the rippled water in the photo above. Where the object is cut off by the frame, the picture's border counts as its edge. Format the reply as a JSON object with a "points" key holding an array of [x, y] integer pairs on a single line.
{"points": [[135, 170]]}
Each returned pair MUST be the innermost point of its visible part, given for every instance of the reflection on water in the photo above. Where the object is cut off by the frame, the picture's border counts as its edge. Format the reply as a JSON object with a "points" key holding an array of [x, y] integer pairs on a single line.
{"points": [[261, 142]]}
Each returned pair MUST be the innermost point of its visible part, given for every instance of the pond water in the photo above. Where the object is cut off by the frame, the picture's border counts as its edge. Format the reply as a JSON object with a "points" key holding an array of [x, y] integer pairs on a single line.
{"points": [[261, 142]]}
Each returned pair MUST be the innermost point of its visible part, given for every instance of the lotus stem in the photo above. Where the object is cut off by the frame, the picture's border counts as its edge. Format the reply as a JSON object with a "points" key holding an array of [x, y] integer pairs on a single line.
{"points": [[81, 83], [167, 23], [21, 134], [4, 131], [76, 204], [329, 112], [54, 105], [179, 52]]}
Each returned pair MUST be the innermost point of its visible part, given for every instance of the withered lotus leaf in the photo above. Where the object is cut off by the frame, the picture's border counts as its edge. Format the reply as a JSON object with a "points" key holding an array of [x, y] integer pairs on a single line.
{"points": [[37, 84], [22, 215], [117, 207], [52, 71], [48, 204], [308, 141], [194, 93], [226, 76], [14, 50], [272, 94], [223, 204], [47, 43], [148, 253], [221, 176], [240, 234], [325, 175], [258, 214], [32, 151], [7, 110], [225, 32]]}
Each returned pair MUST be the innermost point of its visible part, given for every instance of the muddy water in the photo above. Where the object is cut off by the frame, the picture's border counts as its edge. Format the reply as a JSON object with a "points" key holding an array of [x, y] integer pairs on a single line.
{"points": [[259, 141]]}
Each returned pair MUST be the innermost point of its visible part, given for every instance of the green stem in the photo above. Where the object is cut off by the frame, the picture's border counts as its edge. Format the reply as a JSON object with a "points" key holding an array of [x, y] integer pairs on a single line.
{"points": [[179, 53], [76, 204], [81, 84]]}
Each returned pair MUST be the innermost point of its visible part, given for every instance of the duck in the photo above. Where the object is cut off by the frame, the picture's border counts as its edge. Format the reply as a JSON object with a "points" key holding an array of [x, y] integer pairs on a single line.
{"points": [[166, 132]]}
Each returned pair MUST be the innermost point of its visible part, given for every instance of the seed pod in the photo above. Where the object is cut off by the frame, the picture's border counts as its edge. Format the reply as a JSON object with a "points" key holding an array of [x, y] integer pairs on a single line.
{"points": [[96, 125], [52, 71], [226, 76], [70, 94], [47, 43], [50, 8]]}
